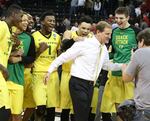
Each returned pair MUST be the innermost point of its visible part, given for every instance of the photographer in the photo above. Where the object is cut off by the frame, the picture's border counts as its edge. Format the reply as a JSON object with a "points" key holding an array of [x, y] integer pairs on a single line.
{"points": [[139, 70]]}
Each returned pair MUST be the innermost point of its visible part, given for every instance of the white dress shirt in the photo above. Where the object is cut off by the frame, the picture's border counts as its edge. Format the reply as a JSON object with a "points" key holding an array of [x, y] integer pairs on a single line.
{"points": [[89, 57]]}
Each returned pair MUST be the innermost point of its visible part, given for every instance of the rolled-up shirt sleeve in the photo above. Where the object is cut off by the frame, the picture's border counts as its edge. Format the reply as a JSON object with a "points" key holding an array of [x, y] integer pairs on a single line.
{"points": [[108, 65]]}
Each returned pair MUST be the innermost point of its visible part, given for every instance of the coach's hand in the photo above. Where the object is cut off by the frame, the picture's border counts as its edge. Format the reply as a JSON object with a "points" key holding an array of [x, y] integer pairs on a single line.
{"points": [[79, 38], [46, 78], [67, 35]]}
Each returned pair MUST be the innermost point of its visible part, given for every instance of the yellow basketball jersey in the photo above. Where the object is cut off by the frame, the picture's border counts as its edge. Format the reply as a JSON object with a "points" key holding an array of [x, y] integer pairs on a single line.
{"points": [[67, 66], [43, 62], [5, 42]]}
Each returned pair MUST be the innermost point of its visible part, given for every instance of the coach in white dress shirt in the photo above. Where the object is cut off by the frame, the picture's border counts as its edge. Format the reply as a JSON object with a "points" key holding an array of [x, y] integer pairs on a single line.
{"points": [[90, 56]]}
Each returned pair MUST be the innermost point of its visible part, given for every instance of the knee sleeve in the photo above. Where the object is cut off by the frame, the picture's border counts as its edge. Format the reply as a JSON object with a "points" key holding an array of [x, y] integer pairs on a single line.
{"points": [[40, 111], [65, 115], [4, 114], [50, 114], [106, 117]]}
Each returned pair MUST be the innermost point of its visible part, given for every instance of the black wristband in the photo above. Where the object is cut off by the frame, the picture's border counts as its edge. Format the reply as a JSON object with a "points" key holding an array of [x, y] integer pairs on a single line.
{"points": [[66, 44]]}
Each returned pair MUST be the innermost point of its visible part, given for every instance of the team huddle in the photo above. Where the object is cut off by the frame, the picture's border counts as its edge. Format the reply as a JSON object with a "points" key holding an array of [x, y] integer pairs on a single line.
{"points": [[42, 71]]}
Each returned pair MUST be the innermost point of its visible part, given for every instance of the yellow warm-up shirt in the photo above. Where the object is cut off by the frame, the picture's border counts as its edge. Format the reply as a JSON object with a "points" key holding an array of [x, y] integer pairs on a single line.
{"points": [[5, 43], [67, 66], [43, 62], [5, 49]]}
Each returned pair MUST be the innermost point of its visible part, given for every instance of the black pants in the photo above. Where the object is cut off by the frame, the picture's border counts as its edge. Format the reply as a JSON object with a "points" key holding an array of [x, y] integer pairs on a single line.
{"points": [[81, 92], [4, 114]]}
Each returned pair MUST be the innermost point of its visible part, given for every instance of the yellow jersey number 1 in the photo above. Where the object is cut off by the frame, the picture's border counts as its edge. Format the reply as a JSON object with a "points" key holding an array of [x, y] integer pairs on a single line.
{"points": [[49, 52]]}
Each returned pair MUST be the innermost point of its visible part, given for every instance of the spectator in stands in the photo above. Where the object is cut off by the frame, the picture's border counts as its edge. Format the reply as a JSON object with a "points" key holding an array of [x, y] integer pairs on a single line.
{"points": [[89, 7], [67, 23], [111, 19], [75, 26], [146, 19], [73, 8], [37, 23], [81, 5], [60, 27], [138, 11], [97, 8], [143, 24]]}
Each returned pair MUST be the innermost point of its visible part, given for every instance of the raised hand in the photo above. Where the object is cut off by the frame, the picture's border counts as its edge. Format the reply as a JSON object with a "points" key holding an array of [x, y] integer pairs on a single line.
{"points": [[14, 59], [41, 49], [17, 53], [43, 46]]}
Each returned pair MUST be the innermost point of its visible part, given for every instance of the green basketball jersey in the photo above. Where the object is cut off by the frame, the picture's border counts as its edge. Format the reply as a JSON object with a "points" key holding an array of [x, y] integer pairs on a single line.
{"points": [[16, 70], [123, 41]]}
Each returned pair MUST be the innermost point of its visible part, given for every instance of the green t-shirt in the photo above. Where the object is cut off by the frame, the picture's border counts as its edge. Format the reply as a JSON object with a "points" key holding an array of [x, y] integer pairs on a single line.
{"points": [[123, 41], [16, 70]]}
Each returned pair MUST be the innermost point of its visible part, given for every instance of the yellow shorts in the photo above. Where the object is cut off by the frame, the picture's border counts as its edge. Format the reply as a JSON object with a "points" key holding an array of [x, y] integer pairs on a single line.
{"points": [[116, 91], [71, 110], [16, 97], [4, 93], [28, 101], [65, 99], [94, 100], [46, 94]]}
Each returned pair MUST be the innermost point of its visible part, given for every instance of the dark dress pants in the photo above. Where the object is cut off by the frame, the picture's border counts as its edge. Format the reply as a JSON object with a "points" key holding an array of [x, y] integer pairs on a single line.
{"points": [[81, 92]]}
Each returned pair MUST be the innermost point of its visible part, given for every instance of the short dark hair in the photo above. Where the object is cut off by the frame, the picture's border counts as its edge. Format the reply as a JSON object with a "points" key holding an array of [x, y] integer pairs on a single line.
{"points": [[144, 35], [122, 10], [47, 13], [14, 8], [86, 19], [102, 25]]}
